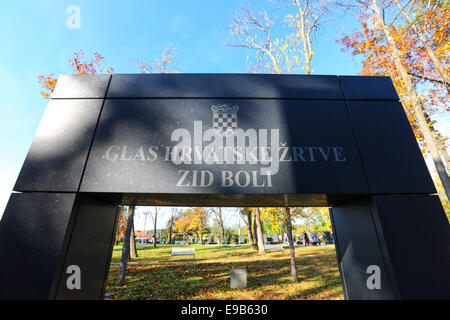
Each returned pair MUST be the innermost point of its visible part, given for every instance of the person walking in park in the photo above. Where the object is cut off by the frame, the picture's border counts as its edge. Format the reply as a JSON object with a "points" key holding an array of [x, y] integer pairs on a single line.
{"points": [[306, 238], [314, 239]]}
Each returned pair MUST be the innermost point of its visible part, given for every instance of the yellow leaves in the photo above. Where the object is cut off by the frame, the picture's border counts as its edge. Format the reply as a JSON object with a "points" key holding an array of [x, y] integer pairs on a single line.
{"points": [[193, 220]]}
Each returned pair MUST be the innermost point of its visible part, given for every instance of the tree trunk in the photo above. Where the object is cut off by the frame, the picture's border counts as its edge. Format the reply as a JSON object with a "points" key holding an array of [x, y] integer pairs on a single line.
{"points": [[442, 147], [259, 231], [249, 228], [133, 251], [291, 244], [255, 233], [125, 248], [154, 227], [304, 34], [221, 226], [117, 234], [432, 145]]}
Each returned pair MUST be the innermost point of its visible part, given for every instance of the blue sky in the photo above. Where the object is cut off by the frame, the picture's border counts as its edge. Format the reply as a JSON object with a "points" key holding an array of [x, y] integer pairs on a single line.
{"points": [[36, 40]]}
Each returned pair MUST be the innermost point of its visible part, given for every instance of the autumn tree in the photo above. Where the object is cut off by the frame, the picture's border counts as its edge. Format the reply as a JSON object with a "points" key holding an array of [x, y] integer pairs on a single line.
{"points": [[216, 214], [305, 21], [193, 221], [390, 49], [429, 21], [182, 225], [199, 222], [121, 224], [284, 54], [170, 226], [274, 218], [253, 30]]}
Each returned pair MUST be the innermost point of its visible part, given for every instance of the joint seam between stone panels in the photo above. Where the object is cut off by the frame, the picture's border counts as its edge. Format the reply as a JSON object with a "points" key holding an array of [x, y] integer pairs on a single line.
{"points": [[235, 98], [358, 145], [214, 98], [405, 194], [93, 136], [223, 97], [383, 250], [78, 98], [44, 191], [218, 97]]}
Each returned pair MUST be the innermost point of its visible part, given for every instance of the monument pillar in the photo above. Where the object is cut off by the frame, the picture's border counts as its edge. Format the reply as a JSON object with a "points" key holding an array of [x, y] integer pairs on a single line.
{"points": [[393, 247], [43, 234]]}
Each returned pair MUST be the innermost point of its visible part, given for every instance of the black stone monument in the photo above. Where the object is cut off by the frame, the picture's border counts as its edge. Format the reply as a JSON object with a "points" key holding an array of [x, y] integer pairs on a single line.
{"points": [[224, 140]]}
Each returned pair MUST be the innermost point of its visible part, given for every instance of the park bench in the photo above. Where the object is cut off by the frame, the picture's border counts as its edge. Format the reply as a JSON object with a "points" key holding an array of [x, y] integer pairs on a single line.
{"points": [[180, 251], [273, 247]]}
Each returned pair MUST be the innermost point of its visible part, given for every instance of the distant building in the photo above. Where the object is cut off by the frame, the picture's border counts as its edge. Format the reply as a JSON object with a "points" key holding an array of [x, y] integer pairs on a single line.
{"points": [[146, 237]]}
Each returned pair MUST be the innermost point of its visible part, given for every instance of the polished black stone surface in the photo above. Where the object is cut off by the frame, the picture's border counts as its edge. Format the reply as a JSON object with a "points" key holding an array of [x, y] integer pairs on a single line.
{"points": [[357, 247], [407, 236], [120, 160], [416, 236], [368, 88], [57, 156], [70, 86], [90, 248], [32, 232], [224, 86], [391, 156]]}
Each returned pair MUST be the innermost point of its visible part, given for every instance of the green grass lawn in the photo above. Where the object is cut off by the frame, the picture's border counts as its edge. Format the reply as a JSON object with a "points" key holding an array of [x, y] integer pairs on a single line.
{"points": [[153, 275]]}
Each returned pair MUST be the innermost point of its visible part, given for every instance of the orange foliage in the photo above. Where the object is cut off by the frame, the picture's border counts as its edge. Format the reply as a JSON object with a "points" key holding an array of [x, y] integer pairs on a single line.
{"points": [[48, 83], [95, 65], [370, 43]]}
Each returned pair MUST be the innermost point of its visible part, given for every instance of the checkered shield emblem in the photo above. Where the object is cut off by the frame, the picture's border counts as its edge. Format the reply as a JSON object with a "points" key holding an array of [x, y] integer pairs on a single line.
{"points": [[224, 119]]}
